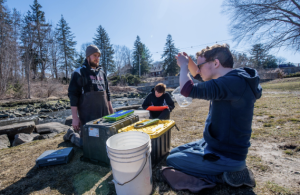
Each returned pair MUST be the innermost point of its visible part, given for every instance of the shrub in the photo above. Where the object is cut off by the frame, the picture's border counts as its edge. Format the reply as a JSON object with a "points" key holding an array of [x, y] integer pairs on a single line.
{"points": [[18, 89], [127, 79], [297, 74]]}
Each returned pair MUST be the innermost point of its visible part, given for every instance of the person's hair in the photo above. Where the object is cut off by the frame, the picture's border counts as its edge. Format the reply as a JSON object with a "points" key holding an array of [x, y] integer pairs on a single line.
{"points": [[220, 52], [160, 88]]}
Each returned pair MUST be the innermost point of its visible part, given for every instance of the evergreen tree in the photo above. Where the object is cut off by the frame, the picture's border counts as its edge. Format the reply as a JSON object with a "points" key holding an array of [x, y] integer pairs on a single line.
{"points": [[141, 56], [28, 51], [169, 62], [102, 41], [258, 55], [41, 28], [146, 60], [136, 56], [66, 43], [79, 60], [270, 62]]}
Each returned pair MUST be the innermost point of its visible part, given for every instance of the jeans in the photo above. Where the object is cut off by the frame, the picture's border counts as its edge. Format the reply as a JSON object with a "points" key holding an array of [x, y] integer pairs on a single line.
{"points": [[188, 159]]}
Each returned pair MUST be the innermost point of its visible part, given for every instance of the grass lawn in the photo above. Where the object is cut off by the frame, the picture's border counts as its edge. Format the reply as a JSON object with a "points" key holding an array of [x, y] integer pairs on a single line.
{"points": [[273, 156]]}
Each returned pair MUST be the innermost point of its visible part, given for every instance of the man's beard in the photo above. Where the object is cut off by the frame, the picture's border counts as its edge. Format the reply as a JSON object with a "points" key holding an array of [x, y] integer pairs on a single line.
{"points": [[93, 64]]}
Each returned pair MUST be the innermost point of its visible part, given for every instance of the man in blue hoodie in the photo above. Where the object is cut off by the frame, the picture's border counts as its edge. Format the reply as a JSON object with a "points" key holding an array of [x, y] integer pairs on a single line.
{"points": [[220, 156]]}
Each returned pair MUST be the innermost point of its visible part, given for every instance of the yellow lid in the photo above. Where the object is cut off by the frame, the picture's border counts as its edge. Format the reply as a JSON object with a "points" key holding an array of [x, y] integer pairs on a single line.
{"points": [[154, 131]]}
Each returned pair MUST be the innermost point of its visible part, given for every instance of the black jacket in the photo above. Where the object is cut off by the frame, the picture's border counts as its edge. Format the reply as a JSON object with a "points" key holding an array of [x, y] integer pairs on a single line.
{"points": [[152, 100], [85, 79]]}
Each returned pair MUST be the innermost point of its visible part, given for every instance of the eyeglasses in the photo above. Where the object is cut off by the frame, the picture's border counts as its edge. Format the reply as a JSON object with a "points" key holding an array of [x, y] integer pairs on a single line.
{"points": [[199, 65]]}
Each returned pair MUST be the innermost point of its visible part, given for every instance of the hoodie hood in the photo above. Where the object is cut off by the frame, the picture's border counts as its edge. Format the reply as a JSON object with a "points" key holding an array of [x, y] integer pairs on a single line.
{"points": [[252, 78]]}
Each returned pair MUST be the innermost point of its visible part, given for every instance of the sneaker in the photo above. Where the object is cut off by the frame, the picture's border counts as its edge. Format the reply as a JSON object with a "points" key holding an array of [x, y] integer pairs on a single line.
{"points": [[239, 178], [68, 135]]}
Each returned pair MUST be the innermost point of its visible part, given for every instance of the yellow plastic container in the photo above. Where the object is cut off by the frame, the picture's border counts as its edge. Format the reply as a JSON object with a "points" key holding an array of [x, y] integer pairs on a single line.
{"points": [[154, 131], [160, 134]]}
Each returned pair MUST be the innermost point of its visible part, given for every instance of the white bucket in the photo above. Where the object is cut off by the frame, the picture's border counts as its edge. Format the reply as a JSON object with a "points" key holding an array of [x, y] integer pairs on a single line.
{"points": [[130, 159], [143, 114], [181, 100]]}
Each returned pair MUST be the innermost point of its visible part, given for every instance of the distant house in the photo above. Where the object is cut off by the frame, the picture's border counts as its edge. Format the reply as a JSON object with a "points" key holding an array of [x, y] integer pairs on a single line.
{"points": [[156, 71], [286, 65]]}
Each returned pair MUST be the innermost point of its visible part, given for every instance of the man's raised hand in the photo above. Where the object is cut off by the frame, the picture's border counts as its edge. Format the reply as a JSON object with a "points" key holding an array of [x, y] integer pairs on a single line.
{"points": [[182, 59]]}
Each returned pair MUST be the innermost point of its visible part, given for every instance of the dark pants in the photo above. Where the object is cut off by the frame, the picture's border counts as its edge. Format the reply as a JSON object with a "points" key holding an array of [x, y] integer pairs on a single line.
{"points": [[189, 159], [162, 115]]}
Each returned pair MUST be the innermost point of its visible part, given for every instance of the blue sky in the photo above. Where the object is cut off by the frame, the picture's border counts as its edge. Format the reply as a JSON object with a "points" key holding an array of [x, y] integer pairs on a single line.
{"points": [[193, 24]]}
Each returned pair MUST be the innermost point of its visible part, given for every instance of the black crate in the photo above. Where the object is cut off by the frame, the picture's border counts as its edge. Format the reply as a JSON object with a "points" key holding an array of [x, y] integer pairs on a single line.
{"points": [[160, 147], [94, 144]]}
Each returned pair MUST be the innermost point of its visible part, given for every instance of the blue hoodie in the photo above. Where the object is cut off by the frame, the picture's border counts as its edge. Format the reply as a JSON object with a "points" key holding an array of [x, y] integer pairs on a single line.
{"points": [[228, 124]]}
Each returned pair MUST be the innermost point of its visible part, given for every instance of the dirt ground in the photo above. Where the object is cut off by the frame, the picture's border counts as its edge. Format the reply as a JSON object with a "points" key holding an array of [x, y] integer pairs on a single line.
{"points": [[273, 155]]}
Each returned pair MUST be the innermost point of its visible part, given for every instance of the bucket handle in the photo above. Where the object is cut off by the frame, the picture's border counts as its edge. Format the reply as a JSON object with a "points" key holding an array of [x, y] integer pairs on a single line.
{"points": [[127, 153], [136, 174], [109, 154]]}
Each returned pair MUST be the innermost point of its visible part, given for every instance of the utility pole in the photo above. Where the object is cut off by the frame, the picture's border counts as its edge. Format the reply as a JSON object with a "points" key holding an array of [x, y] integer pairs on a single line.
{"points": [[139, 65]]}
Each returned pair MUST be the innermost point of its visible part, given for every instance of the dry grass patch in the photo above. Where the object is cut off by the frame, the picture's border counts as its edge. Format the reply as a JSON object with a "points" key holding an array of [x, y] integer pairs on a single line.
{"points": [[256, 162], [277, 189]]}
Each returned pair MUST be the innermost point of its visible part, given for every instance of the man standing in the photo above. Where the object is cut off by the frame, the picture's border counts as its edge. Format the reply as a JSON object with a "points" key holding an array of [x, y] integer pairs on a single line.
{"points": [[89, 94], [220, 156]]}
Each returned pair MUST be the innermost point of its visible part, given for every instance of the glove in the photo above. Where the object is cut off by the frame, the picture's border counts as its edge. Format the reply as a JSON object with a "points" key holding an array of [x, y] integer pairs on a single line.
{"points": [[182, 60]]}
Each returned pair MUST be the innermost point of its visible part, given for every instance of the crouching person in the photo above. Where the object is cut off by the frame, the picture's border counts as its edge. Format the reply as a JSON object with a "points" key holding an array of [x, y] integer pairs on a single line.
{"points": [[159, 97], [220, 156]]}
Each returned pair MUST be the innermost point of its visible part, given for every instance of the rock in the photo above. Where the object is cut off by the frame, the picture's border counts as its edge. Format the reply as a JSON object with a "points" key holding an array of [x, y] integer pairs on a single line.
{"points": [[43, 116], [12, 116], [4, 141], [53, 108], [69, 120], [45, 110], [12, 130], [45, 136], [3, 115], [22, 138], [51, 128], [18, 114], [28, 114]]}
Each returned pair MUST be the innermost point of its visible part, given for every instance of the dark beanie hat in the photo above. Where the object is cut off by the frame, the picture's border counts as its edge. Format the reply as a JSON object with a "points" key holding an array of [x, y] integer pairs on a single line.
{"points": [[91, 49]]}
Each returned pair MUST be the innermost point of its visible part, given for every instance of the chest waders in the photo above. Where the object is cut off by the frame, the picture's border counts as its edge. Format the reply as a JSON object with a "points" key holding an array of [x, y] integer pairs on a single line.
{"points": [[92, 105]]}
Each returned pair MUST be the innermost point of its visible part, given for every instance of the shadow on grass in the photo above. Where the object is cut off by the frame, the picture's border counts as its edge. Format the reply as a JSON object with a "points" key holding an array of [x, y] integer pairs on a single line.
{"points": [[76, 177]]}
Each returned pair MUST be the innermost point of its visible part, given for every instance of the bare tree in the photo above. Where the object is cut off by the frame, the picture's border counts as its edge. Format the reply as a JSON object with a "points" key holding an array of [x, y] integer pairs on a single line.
{"points": [[54, 53], [16, 24], [275, 23], [119, 58], [240, 59], [7, 44]]}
